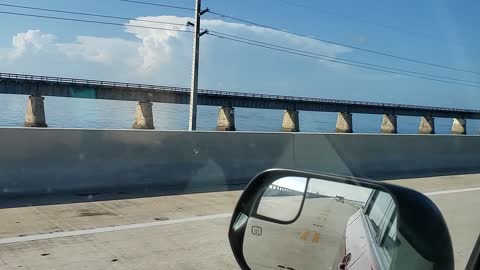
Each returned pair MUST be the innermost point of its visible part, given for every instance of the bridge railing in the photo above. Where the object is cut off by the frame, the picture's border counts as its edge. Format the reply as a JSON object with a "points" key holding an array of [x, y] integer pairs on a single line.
{"points": [[89, 82], [152, 87], [225, 99]]}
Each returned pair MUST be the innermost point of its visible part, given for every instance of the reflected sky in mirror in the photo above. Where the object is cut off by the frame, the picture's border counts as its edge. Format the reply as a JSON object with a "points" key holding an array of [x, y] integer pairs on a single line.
{"points": [[326, 188], [292, 182], [333, 189], [282, 200]]}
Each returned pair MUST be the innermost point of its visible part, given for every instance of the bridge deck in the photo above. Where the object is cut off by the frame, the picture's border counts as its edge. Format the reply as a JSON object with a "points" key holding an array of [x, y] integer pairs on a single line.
{"points": [[177, 232], [81, 88]]}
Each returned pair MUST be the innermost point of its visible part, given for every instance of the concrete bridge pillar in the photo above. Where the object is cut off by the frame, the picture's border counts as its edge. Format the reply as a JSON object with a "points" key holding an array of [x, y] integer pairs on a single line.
{"points": [[226, 119], [344, 123], [389, 124], [35, 116], [459, 126], [143, 116], [290, 121], [427, 125]]}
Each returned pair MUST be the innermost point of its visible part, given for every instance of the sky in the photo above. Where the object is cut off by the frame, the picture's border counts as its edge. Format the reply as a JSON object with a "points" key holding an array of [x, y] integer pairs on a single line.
{"points": [[325, 187], [442, 32]]}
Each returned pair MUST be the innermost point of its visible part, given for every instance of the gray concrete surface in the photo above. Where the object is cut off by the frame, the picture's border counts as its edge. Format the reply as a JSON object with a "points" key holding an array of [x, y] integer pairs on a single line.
{"points": [[344, 123], [459, 126], [314, 241], [187, 244], [35, 115], [389, 124], [49, 161], [226, 119], [143, 116], [387, 157], [427, 125], [290, 122]]}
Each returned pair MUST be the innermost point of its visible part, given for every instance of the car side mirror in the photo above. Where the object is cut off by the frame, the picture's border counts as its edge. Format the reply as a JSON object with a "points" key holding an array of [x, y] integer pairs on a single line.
{"points": [[294, 220]]}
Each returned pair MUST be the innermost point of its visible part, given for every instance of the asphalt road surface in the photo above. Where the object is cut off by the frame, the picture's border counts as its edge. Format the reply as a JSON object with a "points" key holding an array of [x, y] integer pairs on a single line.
{"points": [[314, 241], [181, 231]]}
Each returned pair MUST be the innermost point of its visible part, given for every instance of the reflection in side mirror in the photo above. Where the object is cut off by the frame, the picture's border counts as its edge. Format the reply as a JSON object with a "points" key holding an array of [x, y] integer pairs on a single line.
{"points": [[303, 221], [285, 194], [317, 239]]}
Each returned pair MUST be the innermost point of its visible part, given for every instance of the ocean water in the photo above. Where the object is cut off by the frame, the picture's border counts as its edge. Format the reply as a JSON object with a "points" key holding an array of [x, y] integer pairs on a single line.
{"points": [[109, 114]]}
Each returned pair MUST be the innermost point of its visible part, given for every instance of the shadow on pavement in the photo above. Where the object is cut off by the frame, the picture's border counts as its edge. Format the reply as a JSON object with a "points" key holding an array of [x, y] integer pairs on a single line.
{"points": [[106, 195]]}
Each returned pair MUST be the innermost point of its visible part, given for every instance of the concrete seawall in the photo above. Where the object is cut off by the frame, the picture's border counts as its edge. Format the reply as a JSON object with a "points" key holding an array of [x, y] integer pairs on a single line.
{"points": [[35, 160]]}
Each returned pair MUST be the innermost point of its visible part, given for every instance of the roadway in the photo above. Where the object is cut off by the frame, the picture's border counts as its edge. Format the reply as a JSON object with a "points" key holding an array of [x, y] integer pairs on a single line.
{"points": [[314, 241], [178, 232]]}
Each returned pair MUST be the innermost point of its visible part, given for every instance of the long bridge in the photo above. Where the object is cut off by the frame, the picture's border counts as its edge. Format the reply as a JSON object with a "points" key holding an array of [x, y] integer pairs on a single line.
{"points": [[100, 190], [38, 86]]}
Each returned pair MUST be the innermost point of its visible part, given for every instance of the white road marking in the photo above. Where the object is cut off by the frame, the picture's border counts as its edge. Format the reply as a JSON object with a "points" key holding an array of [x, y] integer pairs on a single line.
{"points": [[451, 191], [34, 237], [44, 236]]}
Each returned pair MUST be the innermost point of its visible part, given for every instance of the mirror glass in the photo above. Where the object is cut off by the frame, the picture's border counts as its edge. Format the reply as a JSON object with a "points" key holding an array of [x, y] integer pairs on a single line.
{"points": [[321, 224], [285, 193]]}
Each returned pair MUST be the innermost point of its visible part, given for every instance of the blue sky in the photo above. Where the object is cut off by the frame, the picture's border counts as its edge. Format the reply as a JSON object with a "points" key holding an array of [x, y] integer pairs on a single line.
{"points": [[442, 32]]}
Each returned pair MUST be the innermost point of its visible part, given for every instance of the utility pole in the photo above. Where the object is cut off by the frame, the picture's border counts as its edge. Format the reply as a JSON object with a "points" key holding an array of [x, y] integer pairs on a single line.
{"points": [[192, 119]]}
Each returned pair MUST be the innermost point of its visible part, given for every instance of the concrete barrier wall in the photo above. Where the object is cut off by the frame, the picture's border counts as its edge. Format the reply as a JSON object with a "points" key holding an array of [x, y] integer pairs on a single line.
{"points": [[64, 160], [77, 160], [387, 156]]}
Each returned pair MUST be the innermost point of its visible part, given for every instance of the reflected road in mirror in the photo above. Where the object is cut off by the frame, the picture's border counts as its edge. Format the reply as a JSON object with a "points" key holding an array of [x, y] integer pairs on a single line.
{"points": [[317, 238]]}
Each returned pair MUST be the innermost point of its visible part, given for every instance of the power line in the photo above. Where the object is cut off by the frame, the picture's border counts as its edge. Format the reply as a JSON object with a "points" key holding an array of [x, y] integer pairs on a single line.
{"points": [[158, 5], [336, 61], [89, 14], [268, 46], [92, 21], [344, 59], [362, 20], [310, 37], [340, 44]]}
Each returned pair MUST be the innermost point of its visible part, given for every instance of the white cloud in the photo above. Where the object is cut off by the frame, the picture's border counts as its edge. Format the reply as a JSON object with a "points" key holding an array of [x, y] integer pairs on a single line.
{"points": [[33, 41], [276, 37], [157, 45], [97, 49], [164, 57]]}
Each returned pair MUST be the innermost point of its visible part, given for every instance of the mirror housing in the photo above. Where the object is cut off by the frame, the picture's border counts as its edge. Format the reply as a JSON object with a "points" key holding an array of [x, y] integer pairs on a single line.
{"points": [[419, 220]]}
